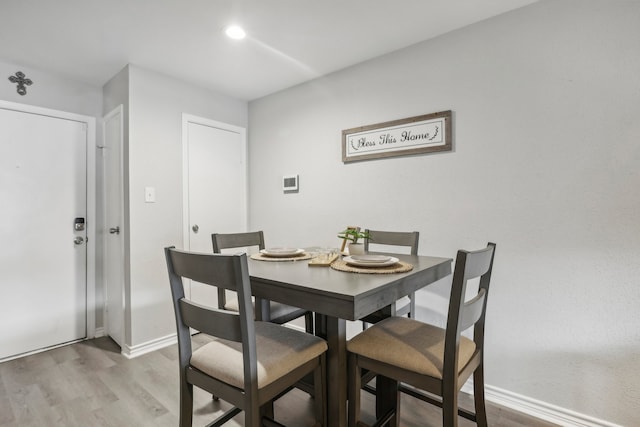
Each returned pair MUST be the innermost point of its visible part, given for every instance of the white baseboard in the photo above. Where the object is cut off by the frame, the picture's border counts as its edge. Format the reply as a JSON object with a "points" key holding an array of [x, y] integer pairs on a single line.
{"points": [[536, 408], [138, 350], [98, 332]]}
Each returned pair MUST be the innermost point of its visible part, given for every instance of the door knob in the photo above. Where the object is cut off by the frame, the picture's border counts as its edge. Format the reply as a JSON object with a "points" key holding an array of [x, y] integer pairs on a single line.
{"points": [[195, 228], [78, 240], [114, 230]]}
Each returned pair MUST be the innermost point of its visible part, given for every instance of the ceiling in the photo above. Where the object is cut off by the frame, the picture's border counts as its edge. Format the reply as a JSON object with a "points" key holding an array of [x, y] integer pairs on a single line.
{"points": [[288, 42]]}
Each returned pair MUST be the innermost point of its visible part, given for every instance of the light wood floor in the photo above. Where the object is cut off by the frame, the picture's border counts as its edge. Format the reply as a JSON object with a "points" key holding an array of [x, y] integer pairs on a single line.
{"points": [[91, 384]]}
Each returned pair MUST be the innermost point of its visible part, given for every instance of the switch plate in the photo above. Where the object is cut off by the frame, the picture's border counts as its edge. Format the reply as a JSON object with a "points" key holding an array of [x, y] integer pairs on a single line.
{"points": [[149, 194]]}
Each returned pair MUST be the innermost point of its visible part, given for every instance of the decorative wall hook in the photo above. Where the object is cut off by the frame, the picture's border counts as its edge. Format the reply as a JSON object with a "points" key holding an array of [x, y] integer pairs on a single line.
{"points": [[21, 81]]}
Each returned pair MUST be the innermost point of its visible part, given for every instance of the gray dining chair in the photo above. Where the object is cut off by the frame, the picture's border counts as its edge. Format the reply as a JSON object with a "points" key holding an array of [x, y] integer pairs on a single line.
{"points": [[249, 363], [278, 313], [421, 357], [407, 305]]}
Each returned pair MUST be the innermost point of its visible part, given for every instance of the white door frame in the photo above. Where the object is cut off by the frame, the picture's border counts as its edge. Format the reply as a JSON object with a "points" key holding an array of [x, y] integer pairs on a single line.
{"points": [[186, 119], [90, 222]]}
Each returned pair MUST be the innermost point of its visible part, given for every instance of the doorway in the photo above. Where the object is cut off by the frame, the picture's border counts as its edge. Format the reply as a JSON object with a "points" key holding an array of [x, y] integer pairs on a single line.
{"points": [[214, 187], [47, 187]]}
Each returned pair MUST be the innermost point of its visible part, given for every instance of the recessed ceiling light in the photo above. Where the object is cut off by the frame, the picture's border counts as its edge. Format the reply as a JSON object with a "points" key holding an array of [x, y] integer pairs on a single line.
{"points": [[235, 32]]}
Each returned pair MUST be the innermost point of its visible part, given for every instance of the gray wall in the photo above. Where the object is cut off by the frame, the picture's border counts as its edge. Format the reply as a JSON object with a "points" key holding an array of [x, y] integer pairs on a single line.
{"points": [[156, 103], [545, 163]]}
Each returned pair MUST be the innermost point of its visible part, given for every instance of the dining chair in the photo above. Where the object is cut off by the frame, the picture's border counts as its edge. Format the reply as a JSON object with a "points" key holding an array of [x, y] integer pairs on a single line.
{"points": [[249, 363], [414, 357], [410, 239], [278, 313]]}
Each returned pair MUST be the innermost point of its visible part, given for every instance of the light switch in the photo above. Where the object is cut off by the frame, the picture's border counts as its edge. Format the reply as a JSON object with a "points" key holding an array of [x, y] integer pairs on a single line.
{"points": [[149, 194]]}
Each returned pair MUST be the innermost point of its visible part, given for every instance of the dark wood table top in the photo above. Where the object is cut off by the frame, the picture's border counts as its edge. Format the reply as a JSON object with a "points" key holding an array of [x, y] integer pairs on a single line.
{"points": [[344, 295]]}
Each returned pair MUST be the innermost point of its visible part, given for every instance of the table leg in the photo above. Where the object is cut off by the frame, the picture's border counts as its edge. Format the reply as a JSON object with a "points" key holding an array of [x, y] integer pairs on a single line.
{"points": [[336, 336]]}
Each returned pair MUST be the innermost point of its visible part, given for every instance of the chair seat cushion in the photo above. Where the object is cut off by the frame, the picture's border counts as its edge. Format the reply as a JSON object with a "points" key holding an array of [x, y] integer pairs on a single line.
{"points": [[408, 344], [277, 309], [279, 350]]}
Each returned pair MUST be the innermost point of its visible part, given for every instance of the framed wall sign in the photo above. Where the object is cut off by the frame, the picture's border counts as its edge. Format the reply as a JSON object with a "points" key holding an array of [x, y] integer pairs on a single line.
{"points": [[414, 135]]}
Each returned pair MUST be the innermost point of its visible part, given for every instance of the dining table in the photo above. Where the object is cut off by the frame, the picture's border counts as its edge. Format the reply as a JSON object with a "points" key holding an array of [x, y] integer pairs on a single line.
{"points": [[337, 297]]}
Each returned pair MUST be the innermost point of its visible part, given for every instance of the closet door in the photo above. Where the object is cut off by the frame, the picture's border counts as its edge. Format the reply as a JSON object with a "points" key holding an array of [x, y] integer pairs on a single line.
{"points": [[215, 187], [43, 255]]}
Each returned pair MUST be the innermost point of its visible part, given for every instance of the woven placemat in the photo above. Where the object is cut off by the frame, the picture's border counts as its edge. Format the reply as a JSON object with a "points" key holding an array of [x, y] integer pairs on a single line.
{"points": [[261, 257], [399, 267]]}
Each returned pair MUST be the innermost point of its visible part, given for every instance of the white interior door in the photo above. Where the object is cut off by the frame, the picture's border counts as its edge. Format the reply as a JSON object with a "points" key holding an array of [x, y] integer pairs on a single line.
{"points": [[43, 258], [215, 174], [114, 236]]}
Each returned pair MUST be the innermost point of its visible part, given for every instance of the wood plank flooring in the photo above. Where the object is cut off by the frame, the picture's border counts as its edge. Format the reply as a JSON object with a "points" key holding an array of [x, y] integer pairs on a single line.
{"points": [[91, 384]]}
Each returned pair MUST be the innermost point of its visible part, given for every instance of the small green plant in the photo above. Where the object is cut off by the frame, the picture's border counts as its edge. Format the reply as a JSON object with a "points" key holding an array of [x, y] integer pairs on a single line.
{"points": [[353, 235]]}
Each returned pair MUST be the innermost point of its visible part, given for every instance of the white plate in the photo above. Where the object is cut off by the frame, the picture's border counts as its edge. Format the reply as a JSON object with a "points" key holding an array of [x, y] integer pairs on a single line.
{"points": [[351, 261], [371, 258], [282, 252]]}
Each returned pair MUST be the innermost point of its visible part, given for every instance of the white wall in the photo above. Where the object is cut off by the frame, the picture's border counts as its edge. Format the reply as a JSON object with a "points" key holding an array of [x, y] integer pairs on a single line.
{"points": [[156, 104], [545, 163]]}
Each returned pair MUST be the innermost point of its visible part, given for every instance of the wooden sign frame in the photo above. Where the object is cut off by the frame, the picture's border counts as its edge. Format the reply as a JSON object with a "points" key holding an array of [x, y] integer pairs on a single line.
{"points": [[414, 135]]}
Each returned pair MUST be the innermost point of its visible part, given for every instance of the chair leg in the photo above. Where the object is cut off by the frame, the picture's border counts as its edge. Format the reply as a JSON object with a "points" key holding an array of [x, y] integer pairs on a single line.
{"points": [[353, 391], [320, 392], [253, 415], [449, 404], [412, 306], [308, 322], [266, 410], [478, 396], [388, 400], [186, 404]]}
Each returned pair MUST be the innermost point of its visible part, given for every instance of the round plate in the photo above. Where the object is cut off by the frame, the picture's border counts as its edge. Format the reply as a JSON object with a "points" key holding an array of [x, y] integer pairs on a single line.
{"points": [[371, 258], [350, 260], [282, 252]]}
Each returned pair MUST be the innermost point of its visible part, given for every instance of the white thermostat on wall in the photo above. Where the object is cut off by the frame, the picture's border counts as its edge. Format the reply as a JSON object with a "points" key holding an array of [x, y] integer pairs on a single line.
{"points": [[290, 183]]}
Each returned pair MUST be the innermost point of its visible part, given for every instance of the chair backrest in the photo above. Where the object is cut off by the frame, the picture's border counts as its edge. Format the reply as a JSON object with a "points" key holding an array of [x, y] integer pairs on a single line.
{"points": [[237, 240], [222, 271], [234, 240], [393, 238], [464, 314]]}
